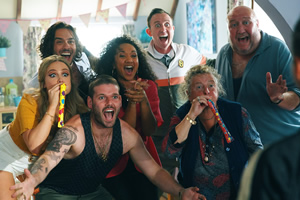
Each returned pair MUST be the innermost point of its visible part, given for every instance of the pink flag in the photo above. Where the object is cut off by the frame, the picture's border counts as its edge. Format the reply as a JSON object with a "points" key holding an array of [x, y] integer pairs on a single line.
{"points": [[122, 9], [24, 24], [4, 25], [67, 20]]}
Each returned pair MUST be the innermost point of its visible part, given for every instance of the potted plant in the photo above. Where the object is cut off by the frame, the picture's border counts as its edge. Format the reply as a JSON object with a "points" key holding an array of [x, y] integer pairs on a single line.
{"points": [[4, 43]]}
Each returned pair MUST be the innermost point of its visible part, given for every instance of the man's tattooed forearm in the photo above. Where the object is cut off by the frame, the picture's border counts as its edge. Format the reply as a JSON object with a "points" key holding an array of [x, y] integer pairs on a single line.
{"points": [[53, 156], [64, 136], [38, 166]]}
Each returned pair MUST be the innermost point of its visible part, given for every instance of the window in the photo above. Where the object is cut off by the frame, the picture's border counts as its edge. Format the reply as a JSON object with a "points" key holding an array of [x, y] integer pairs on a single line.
{"points": [[265, 23]]}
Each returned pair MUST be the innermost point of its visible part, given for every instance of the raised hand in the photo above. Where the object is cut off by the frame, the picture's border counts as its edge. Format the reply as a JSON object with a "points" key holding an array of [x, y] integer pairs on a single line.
{"points": [[136, 93], [275, 90]]}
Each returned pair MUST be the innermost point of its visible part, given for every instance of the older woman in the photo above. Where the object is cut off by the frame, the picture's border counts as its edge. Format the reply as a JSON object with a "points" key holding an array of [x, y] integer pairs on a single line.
{"points": [[207, 159], [125, 60]]}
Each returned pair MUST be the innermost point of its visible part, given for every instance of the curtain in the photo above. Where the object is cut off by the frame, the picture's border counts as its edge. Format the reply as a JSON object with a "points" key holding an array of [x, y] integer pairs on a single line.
{"points": [[31, 58], [128, 29]]}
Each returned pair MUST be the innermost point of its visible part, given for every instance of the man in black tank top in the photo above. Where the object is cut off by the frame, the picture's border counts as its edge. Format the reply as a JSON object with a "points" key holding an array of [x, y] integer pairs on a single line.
{"points": [[86, 149]]}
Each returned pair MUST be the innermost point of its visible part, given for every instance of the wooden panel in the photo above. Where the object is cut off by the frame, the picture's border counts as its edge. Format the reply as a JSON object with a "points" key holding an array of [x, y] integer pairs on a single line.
{"points": [[99, 6], [19, 9], [59, 8], [174, 7], [136, 10]]}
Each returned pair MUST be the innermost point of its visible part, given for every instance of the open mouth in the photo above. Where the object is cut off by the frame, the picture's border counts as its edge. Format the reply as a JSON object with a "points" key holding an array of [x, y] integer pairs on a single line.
{"points": [[128, 69], [163, 38], [243, 39], [109, 113], [66, 55]]}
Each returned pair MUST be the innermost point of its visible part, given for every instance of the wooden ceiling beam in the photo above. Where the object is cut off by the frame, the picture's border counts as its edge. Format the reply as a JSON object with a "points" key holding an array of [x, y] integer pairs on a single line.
{"points": [[19, 9], [99, 7], [59, 8], [174, 8], [136, 10]]}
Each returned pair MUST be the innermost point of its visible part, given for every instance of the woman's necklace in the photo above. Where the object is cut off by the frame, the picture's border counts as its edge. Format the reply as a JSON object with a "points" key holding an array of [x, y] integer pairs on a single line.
{"points": [[209, 146], [102, 150]]}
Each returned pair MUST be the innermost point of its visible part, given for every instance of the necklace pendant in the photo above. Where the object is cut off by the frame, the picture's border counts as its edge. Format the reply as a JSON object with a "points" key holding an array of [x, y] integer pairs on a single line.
{"points": [[206, 159], [104, 157]]}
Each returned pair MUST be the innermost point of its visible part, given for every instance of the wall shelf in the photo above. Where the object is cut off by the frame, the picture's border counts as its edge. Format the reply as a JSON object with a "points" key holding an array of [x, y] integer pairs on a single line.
{"points": [[7, 115]]}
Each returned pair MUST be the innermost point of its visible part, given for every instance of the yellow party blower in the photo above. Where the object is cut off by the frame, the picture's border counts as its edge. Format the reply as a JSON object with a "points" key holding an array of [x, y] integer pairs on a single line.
{"points": [[62, 96]]}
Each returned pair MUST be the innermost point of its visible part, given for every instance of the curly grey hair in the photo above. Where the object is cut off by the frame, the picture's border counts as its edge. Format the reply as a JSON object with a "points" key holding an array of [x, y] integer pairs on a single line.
{"points": [[185, 87]]}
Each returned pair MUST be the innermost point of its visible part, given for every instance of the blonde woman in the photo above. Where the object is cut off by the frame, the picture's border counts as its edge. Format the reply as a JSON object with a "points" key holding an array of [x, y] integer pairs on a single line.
{"points": [[36, 120]]}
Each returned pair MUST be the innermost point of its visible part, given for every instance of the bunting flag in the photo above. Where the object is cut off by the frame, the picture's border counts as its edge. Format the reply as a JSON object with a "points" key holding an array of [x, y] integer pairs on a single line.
{"points": [[24, 24], [104, 14], [85, 18], [67, 20], [45, 23], [144, 1], [4, 25], [122, 9]]}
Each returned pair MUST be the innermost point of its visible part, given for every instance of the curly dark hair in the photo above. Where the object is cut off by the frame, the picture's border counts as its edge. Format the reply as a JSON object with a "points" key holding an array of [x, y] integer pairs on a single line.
{"points": [[106, 62], [107, 58], [46, 47]]}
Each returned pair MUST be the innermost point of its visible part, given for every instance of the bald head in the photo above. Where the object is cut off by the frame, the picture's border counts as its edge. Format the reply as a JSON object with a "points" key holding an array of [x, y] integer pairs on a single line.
{"points": [[244, 30], [241, 10]]}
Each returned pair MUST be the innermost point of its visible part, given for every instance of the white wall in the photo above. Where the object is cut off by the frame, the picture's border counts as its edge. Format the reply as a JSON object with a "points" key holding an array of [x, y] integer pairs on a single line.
{"points": [[284, 15]]}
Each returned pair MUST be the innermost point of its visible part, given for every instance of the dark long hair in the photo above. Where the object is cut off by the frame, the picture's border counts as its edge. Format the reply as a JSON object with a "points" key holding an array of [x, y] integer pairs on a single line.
{"points": [[46, 47]]}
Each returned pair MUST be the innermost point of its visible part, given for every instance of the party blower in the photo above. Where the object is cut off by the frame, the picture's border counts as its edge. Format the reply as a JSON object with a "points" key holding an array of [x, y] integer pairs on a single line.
{"points": [[62, 97]]}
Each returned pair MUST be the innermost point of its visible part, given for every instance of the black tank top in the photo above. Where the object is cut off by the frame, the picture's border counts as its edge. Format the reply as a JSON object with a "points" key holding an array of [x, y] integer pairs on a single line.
{"points": [[83, 174]]}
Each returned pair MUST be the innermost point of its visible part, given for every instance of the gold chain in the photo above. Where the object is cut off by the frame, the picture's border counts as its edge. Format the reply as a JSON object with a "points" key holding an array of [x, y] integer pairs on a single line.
{"points": [[103, 153]]}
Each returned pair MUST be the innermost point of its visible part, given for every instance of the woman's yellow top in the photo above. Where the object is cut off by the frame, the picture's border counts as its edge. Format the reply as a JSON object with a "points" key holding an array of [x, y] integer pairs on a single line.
{"points": [[26, 118]]}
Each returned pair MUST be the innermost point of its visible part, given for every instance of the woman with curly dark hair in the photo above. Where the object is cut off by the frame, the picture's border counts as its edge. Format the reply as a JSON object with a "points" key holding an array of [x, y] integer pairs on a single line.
{"points": [[125, 60]]}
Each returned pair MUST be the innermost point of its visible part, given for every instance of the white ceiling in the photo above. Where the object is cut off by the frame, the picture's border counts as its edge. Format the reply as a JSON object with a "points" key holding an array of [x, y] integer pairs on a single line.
{"points": [[43, 9]]}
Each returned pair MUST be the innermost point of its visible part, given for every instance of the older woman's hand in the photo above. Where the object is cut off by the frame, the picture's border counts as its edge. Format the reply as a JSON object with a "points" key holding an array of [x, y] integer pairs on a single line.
{"points": [[198, 105]]}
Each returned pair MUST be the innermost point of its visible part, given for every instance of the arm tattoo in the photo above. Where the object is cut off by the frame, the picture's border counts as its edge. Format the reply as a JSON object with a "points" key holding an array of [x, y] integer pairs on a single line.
{"points": [[38, 166], [64, 136]]}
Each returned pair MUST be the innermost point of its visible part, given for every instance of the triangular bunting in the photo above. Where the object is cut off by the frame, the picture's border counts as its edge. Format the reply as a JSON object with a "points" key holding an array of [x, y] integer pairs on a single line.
{"points": [[45, 23], [24, 24], [85, 19], [104, 14], [4, 25], [144, 1], [67, 20], [122, 9]]}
